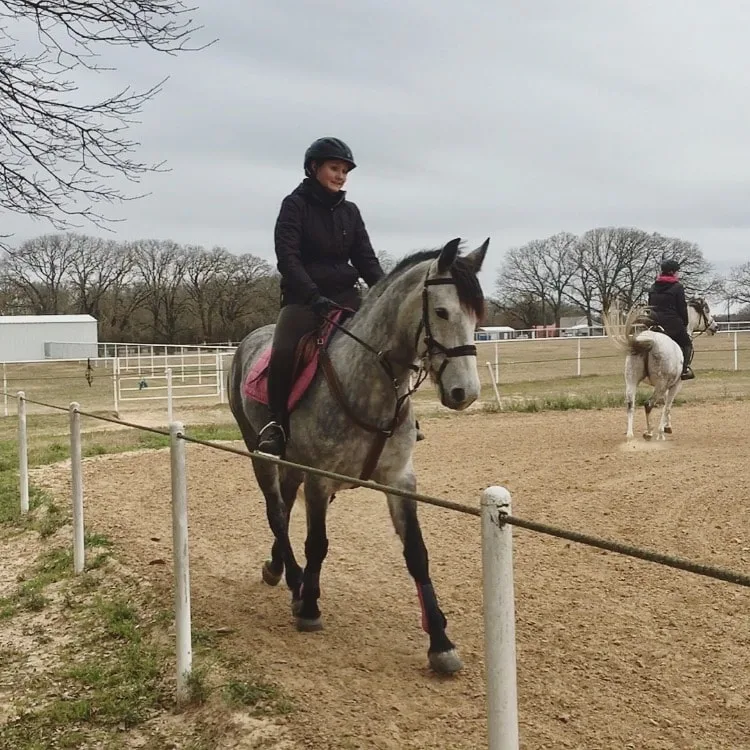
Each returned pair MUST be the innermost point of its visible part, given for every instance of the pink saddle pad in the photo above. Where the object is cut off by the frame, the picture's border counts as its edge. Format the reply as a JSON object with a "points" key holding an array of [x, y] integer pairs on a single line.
{"points": [[256, 383]]}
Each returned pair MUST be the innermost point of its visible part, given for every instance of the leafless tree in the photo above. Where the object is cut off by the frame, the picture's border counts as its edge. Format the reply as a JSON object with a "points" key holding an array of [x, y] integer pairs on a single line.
{"points": [[38, 270], [161, 267], [62, 156], [536, 277], [738, 284], [96, 267], [207, 275], [250, 298], [696, 273]]}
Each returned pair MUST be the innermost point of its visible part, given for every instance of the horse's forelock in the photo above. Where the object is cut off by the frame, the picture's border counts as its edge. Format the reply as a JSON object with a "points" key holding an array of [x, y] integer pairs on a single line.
{"points": [[468, 288]]}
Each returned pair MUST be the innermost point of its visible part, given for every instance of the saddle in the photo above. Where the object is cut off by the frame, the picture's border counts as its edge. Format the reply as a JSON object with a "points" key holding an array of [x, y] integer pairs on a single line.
{"points": [[306, 362]]}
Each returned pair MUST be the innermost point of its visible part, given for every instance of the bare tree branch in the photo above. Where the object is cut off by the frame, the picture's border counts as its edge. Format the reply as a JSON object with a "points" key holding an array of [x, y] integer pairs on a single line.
{"points": [[59, 156]]}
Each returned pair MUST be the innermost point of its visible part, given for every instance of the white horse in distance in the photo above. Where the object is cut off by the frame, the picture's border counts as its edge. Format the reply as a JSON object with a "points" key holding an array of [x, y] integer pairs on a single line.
{"points": [[654, 357]]}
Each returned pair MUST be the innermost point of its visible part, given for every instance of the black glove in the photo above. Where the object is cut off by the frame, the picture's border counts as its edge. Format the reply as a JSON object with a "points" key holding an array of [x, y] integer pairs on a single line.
{"points": [[321, 305]]}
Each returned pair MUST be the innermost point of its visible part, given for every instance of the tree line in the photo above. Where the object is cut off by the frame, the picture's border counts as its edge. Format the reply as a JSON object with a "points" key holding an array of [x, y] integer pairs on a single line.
{"points": [[566, 274], [159, 291], [155, 291]]}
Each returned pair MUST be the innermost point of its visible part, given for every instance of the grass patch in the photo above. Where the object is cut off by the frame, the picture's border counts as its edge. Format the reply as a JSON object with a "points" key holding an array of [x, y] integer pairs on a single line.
{"points": [[566, 402], [52, 566], [112, 681]]}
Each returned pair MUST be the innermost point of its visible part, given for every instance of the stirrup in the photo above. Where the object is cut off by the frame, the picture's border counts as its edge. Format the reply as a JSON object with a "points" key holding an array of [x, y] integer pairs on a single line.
{"points": [[687, 374], [275, 440]]}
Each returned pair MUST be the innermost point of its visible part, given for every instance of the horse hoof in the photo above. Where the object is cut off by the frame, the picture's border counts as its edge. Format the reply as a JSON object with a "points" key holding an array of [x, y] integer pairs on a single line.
{"points": [[647, 436], [269, 576], [446, 662], [309, 626], [668, 430]]}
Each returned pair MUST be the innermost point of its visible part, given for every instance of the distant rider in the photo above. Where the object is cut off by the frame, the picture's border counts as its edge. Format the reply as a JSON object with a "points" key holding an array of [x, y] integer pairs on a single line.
{"points": [[666, 298]]}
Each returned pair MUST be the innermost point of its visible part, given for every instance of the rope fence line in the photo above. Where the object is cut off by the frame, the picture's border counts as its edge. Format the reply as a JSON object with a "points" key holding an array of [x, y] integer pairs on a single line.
{"points": [[627, 550], [496, 517]]}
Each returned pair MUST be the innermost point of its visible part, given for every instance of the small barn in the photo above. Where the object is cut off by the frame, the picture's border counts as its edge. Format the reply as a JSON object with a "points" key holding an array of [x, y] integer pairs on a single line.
{"points": [[35, 337], [495, 333]]}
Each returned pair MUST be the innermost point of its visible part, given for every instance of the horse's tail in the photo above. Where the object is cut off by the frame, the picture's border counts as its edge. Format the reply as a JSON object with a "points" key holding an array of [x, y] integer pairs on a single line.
{"points": [[625, 335]]}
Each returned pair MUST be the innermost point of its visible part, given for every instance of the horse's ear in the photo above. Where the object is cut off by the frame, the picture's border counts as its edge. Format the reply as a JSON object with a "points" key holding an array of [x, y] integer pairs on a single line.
{"points": [[476, 257], [448, 255]]}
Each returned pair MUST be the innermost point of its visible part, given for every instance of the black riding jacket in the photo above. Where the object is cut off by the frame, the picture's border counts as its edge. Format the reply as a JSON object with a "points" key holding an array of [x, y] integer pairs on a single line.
{"points": [[322, 246], [669, 306]]}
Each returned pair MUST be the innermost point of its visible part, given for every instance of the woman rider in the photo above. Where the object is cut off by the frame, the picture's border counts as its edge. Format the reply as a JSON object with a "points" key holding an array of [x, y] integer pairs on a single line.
{"points": [[666, 298], [322, 250]]}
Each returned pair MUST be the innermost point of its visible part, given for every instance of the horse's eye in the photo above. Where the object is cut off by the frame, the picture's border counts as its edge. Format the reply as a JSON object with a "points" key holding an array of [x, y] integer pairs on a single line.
{"points": [[441, 312]]}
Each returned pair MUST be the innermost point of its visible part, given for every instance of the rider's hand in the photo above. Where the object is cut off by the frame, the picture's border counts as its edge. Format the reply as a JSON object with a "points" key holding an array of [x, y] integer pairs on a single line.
{"points": [[322, 305]]}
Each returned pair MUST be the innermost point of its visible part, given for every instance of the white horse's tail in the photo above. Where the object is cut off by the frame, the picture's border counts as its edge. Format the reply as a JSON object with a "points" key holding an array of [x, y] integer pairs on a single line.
{"points": [[625, 336]]}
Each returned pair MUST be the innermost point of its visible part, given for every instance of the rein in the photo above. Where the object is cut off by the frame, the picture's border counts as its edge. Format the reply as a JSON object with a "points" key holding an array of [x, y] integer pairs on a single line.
{"points": [[433, 347]]}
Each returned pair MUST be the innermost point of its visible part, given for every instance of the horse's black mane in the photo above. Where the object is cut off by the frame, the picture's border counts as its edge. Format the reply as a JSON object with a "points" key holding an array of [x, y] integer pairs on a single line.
{"points": [[467, 284]]}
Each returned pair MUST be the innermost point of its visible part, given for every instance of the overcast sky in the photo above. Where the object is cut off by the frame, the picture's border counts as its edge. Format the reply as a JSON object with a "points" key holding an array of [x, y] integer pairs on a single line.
{"points": [[466, 119]]}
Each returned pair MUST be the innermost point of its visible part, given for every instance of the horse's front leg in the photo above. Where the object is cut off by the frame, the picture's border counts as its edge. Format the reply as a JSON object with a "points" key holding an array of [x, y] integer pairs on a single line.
{"points": [[306, 609], [442, 654]]}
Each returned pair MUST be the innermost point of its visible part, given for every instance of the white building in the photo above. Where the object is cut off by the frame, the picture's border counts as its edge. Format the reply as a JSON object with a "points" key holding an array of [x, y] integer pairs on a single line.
{"points": [[495, 333], [34, 337]]}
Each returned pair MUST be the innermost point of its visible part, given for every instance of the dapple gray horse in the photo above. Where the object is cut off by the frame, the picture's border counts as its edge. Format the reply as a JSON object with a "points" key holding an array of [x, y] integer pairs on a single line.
{"points": [[655, 357], [356, 418]]}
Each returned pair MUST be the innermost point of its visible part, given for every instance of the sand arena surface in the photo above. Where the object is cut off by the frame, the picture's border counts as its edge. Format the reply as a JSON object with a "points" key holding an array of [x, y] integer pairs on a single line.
{"points": [[612, 652]]}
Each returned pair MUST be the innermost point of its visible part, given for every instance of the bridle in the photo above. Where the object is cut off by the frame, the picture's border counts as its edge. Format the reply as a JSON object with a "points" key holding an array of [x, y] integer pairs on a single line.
{"points": [[699, 307], [433, 348]]}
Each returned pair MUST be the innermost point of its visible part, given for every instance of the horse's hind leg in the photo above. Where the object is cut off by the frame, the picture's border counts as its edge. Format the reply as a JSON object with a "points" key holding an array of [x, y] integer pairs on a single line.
{"points": [[442, 654], [273, 567], [666, 425], [630, 394], [635, 370], [267, 475], [648, 407]]}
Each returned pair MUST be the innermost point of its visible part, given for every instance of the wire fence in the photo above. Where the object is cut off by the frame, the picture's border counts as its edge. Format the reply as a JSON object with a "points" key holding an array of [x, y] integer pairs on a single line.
{"points": [[120, 383], [494, 511]]}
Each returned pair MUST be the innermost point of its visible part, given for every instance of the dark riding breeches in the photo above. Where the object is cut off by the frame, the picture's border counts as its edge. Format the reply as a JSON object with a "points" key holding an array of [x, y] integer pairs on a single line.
{"points": [[683, 340], [294, 322]]}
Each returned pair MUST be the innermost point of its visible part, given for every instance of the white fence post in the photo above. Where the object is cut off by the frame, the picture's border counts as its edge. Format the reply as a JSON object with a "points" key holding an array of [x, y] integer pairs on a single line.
{"points": [[499, 621], [497, 363], [735, 351], [578, 357], [116, 382], [181, 561], [169, 395], [494, 384], [23, 453], [76, 470], [222, 383], [5, 389]]}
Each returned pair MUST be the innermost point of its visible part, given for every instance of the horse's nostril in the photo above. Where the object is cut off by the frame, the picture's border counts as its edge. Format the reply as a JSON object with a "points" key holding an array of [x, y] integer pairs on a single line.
{"points": [[458, 395]]}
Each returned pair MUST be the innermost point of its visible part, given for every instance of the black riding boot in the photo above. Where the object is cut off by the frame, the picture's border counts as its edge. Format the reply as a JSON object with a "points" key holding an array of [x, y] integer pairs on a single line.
{"points": [[272, 438], [687, 356]]}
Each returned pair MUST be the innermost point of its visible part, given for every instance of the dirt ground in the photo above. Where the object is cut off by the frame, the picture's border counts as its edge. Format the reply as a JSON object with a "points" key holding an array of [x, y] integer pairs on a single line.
{"points": [[612, 652]]}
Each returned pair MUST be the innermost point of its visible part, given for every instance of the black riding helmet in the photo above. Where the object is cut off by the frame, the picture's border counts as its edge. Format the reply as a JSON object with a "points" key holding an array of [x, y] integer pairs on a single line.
{"points": [[328, 148], [670, 267]]}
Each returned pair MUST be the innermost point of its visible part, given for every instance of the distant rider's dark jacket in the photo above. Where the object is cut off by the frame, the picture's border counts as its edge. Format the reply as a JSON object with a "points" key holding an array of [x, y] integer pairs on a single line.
{"points": [[666, 298]]}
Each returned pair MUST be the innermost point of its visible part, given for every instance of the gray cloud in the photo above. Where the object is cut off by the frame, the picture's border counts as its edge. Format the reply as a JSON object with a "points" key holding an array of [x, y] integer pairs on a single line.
{"points": [[468, 119]]}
